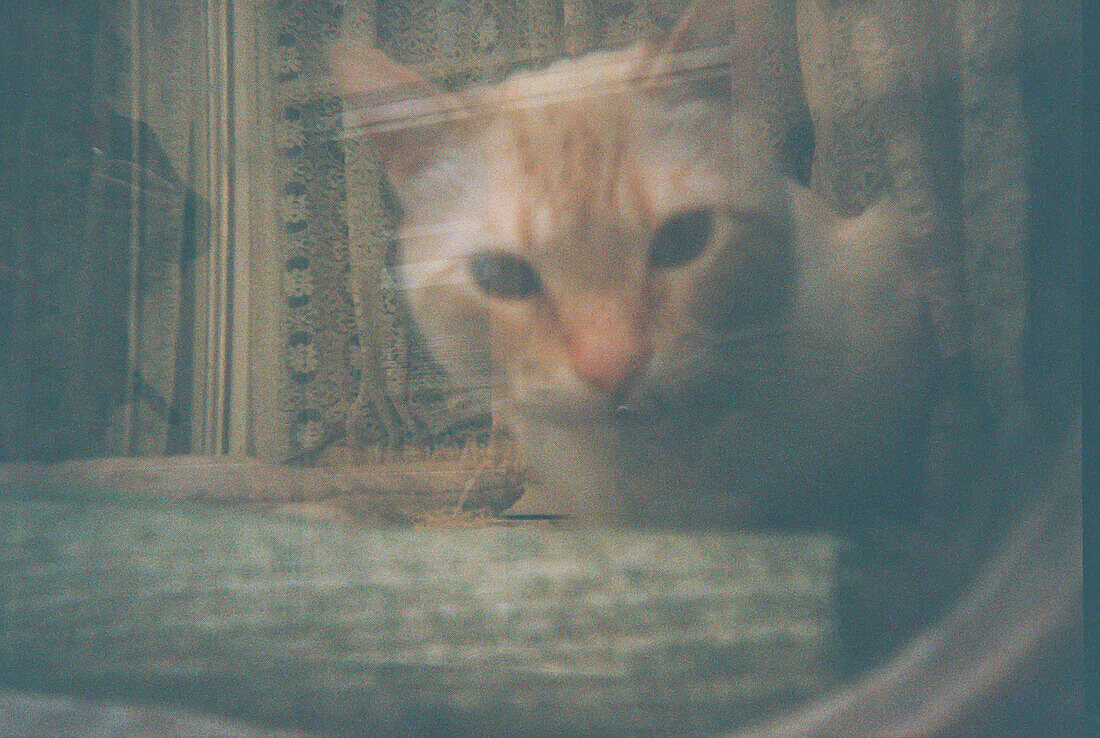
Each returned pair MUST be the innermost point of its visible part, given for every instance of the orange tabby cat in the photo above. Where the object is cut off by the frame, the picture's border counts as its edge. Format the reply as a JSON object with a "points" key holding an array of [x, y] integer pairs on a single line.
{"points": [[682, 335]]}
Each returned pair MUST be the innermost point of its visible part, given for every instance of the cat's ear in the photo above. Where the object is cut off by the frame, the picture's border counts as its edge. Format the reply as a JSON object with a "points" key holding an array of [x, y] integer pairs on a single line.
{"points": [[715, 35], [706, 23], [406, 117]]}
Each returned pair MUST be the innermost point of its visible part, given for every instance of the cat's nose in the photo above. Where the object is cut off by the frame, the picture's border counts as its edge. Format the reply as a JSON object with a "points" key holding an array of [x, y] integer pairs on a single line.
{"points": [[610, 365], [606, 342]]}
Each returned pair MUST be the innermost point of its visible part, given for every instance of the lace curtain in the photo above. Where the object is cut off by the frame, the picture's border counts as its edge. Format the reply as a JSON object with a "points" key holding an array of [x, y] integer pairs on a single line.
{"points": [[193, 260]]}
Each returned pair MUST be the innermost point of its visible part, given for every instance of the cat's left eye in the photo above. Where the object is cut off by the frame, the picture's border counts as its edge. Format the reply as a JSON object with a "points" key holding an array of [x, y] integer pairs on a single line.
{"points": [[680, 238], [504, 275]]}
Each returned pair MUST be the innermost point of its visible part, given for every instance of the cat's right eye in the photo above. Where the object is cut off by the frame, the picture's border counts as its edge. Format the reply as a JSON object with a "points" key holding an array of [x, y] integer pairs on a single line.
{"points": [[504, 275], [680, 238]]}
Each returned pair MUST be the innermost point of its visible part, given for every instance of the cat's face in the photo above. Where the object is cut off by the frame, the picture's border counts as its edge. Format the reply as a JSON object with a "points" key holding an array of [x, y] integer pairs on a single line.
{"points": [[584, 228]]}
